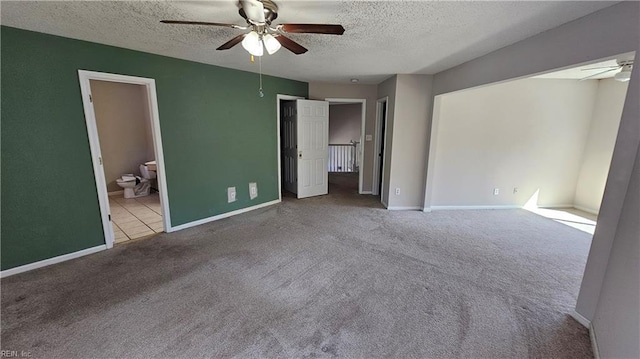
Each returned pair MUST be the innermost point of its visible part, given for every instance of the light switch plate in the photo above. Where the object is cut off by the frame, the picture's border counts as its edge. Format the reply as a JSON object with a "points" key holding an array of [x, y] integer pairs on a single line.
{"points": [[253, 190], [231, 194]]}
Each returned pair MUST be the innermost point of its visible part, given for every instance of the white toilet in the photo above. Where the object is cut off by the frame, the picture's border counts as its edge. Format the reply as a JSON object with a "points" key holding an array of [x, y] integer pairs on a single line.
{"points": [[148, 170], [133, 186]]}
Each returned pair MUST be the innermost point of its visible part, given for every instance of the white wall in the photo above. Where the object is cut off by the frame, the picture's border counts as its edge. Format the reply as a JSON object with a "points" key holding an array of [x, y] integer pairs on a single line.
{"points": [[599, 146], [606, 33], [323, 90], [528, 134], [345, 123], [124, 128]]}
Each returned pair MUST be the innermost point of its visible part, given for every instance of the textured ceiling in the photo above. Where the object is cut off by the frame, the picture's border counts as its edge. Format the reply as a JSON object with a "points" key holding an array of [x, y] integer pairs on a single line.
{"points": [[382, 37]]}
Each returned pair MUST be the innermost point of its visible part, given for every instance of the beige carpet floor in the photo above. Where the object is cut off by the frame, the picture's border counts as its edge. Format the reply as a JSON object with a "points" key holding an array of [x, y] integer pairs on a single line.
{"points": [[333, 276]]}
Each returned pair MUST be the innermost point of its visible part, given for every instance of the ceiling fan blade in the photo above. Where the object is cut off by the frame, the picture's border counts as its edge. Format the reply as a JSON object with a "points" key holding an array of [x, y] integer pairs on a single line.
{"points": [[253, 10], [312, 29], [599, 73], [291, 45], [603, 67], [179, 22], [231, 43]]}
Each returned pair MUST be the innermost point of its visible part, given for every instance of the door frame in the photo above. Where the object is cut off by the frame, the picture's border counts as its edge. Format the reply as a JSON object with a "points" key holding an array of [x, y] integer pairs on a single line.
{"points": [[279, 149], [378, 176], [84, 77], [363, 102]]}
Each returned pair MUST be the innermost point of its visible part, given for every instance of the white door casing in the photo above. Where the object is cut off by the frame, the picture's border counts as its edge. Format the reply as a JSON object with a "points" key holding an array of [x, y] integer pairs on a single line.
{"points": [[313, 147], [94, 144]]}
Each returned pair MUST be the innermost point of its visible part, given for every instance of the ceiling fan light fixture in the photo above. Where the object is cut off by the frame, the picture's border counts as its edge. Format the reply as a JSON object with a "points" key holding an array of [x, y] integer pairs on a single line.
{"points": [[259, 16], [271, 43], [253, 44], [623, 76]]}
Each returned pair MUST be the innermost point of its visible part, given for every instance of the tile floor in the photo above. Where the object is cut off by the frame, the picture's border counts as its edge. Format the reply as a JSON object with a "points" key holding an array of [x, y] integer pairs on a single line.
{"points": [[135, 218]]}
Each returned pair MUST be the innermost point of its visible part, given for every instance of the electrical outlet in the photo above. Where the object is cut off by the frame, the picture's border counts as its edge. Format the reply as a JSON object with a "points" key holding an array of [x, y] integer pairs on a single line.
{"points": [[496, 191], [253, 190], [397, 191], [231, 194], [515, 190]]}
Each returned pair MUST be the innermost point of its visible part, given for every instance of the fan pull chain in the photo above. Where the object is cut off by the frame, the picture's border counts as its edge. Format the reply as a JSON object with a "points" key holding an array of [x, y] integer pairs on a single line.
{"points": [[260, 93]]}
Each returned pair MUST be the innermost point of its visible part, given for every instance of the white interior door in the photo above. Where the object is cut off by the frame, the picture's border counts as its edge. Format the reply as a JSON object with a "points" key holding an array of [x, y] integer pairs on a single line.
{"points": [[289, 150], [313, 147]]}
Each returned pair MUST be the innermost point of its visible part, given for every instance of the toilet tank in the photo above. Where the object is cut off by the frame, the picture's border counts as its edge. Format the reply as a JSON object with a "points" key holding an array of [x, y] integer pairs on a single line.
{"points": [[146, 172]]}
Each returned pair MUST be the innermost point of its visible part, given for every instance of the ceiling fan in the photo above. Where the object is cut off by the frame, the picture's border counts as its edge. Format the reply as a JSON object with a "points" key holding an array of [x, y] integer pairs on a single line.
{"points": [[625, 67], [259, 15]]}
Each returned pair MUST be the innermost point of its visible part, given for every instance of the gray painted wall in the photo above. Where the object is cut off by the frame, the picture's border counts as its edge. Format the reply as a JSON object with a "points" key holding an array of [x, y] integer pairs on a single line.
{"points": [[413, 102], [345, 123], [617, 316]]}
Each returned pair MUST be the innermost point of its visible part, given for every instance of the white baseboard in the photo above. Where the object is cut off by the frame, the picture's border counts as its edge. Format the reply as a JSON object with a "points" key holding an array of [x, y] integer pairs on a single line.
{"points": [[445, 208], [580, 319], [585, 209], [594, 342], [50, 261], [402, 208], [366, 192], [555, 206], [115, 193], [592, 333], [449, 208], [221, 216]]}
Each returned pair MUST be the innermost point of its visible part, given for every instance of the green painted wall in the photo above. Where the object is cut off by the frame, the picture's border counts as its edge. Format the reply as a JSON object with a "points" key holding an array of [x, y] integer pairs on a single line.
{"points": [[216, 133]]}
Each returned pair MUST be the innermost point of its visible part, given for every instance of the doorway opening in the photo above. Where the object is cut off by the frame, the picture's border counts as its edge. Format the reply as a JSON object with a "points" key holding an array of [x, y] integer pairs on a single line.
{"points": [[304, 132], [287, 177], [123, 126], [344, 162], [305, 158], [545, 141], [346, 144], [543, 144], [380, 147]]}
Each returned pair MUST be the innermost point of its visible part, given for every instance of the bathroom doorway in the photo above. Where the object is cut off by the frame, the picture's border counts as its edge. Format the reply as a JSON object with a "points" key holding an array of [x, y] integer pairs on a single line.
{"points": [[124, 135]]}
